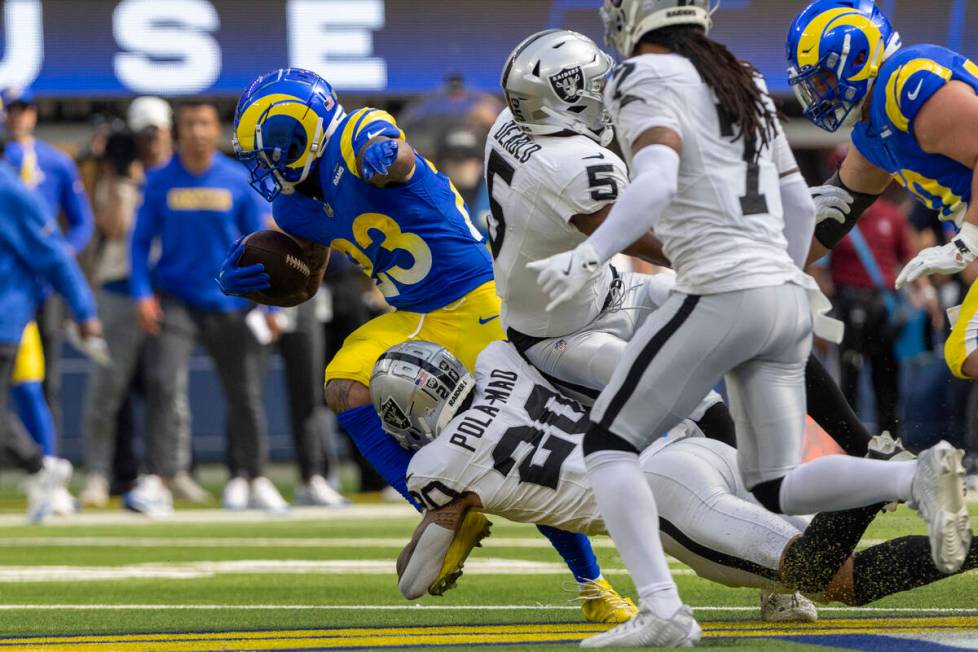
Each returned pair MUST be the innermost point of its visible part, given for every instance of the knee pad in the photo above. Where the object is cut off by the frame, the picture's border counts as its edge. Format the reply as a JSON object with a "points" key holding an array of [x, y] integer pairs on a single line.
{"points": [[768, 494], [601, 439]]}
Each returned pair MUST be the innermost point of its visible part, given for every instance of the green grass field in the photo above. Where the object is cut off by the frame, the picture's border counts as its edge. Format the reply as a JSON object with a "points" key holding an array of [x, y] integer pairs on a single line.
{"points": [[325, 580]]}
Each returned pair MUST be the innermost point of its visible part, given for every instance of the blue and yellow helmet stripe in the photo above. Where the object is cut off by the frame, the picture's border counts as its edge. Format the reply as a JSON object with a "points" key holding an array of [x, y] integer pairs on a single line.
{"points": [[281, 125]]}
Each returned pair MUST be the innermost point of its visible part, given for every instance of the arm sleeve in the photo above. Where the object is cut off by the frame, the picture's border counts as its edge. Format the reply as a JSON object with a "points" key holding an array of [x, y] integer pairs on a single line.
{"points": [[76, 207], [655, 180], [41, 247], [799, 217], [146, 228]]}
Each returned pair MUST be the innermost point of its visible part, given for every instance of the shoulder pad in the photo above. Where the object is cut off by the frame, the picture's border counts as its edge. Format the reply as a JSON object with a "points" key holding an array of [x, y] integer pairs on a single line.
{"points": [[908, 84]]}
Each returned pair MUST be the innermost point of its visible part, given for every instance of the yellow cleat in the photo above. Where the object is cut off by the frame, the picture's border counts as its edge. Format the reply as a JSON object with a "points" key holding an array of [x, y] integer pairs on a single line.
{"points": [[469, 534], [600, 603]]}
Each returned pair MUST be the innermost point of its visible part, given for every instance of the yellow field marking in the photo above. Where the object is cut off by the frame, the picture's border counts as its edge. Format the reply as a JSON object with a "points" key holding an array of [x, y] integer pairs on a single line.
{"points": [[377, 638]]}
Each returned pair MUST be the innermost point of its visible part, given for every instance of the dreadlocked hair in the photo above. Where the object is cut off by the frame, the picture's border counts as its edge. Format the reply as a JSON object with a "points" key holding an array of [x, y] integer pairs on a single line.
{"points": [[732, 80]]}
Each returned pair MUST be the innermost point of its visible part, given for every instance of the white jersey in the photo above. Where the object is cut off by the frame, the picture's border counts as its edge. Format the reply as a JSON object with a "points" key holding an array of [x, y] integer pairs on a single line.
{"points": [[536, 185], [724, 229], [517, 447]]}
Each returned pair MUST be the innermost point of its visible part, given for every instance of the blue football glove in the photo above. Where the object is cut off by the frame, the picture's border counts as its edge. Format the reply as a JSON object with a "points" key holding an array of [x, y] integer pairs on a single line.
{"points": [[378, 158], [236, 280]]}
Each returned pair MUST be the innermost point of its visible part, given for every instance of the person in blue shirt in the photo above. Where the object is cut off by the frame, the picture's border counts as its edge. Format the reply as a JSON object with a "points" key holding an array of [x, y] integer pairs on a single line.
{"points": [[912, 112], [351, 183], [195, 207], [53, 175], [33, 255]]}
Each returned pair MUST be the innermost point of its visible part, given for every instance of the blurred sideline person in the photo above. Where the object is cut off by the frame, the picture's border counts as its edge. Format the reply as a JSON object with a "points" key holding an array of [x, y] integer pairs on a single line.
{"points": [[129, 154], [195, 207], [713, 175], [54, 176], [388, 209], [301, 347], [869, 309], [32, 253]]}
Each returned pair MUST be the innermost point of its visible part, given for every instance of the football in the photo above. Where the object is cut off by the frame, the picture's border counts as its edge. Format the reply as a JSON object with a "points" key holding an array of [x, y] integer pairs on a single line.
{"points": [[283, 260]]}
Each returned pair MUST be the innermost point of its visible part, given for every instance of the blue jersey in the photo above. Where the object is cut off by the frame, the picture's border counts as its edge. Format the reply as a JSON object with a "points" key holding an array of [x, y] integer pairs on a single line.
{"points": [[414, 239], [906, 81], [33, 252], [54, 176], [196, 218]]}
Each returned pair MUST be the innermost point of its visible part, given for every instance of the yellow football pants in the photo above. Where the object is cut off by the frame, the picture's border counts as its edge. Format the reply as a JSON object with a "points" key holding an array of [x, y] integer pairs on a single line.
{"points": [[464, 327], [963, 339]]}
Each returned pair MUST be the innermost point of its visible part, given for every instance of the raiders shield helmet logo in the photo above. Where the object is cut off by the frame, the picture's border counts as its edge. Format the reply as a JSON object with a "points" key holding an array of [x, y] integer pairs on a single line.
{"points": [[568, 84], [391, 412]]}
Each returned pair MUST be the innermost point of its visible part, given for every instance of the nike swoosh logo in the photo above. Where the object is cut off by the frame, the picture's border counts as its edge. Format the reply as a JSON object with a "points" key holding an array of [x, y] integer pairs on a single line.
{"points": [[916, 91], [373, 134], [595, 156], [487, 319]]}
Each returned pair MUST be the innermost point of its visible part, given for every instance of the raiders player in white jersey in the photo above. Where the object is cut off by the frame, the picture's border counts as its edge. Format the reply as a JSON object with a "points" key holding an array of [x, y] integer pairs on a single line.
{"points": [[713, 176], [507, 442], [552, 181]]}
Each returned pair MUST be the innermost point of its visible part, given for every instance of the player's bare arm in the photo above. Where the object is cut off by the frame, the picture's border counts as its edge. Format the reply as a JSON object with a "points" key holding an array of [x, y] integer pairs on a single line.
{"points": [[647, 247], [946, 125], [397, 155]]}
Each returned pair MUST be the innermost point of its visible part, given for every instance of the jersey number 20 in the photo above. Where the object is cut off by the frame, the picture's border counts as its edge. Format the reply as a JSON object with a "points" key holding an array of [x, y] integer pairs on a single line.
{"points": [[558, 448]]}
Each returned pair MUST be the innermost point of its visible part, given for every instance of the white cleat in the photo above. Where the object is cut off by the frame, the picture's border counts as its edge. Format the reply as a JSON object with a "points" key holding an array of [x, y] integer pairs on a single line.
{"points": [[184, 487], [787, 608], [95, 493], [318, 493], [43, 488], [235, 496], [884, 447], [646, 629], [150, 497], [266, 497], [938, 491]]}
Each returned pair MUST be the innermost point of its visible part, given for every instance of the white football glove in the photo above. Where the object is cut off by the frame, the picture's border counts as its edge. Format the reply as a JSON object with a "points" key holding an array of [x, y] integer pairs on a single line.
{"points": [[950, 258], [831, 203], [565, 274]]}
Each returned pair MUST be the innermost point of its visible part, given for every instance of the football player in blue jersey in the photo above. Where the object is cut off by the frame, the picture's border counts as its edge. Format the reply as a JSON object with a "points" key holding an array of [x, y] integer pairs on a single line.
{"points": [[913, 112], [350, 182]]}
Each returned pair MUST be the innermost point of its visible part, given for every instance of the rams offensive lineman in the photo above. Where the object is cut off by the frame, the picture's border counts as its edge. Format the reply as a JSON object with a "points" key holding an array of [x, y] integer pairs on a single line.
{"points": [[713, 174], [913, 113], [350, 182], [485, 457]]}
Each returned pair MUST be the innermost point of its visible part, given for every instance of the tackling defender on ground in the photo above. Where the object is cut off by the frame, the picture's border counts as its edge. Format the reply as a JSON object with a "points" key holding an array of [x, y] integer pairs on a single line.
{"points": [[512, 447]]}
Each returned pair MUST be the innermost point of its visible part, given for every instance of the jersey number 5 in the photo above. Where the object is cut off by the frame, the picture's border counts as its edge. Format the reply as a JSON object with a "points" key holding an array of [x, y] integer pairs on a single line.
{"points": [[537, 407], [497, 167]]}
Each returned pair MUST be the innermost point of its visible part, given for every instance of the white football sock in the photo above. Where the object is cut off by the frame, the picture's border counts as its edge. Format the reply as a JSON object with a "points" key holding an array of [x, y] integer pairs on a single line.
{"points": [[836, 482], [630, 515]]}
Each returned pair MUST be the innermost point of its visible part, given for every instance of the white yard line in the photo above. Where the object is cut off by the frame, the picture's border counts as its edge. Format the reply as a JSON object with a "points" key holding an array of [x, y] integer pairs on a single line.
{"points": [[220, 516], [253, 542], [426, 607]]}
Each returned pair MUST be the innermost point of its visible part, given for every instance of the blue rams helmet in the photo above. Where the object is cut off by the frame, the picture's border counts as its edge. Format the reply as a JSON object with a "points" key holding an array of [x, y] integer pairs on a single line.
{"points": [[281, 126], [835, 48]]}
